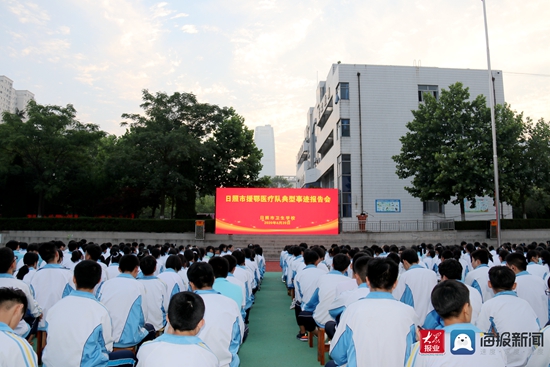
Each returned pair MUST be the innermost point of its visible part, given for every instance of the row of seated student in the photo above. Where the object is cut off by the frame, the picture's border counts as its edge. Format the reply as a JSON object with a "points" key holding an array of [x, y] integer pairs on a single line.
{"points": [[375, 303], [93, 316]]}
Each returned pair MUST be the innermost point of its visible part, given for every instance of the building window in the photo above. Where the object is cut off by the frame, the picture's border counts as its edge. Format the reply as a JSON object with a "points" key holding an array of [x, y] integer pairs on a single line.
{"points": [[344, 173], [345, 127], [433, 207], [430, 89], [343, 90]]}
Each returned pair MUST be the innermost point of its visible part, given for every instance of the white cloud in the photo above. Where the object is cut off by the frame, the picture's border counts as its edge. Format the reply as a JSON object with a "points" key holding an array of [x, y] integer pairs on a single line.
{"points": [[179, 15], [28, 12], [189, 28]]}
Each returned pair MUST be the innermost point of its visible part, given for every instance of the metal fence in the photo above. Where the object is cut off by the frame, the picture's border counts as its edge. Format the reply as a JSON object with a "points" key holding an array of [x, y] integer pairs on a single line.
{"points": [[399, 226]]}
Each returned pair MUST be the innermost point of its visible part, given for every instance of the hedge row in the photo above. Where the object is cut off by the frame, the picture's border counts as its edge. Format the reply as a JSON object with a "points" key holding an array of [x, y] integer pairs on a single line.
{"points": [[474, 225], [102, 225]]}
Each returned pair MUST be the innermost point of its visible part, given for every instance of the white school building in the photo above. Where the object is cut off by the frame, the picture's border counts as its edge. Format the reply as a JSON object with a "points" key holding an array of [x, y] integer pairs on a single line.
{"points": [[351, 134]]}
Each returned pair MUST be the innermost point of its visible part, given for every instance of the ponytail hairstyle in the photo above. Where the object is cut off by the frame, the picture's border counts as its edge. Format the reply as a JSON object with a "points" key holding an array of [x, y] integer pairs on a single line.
{"points": [[30, 259]]}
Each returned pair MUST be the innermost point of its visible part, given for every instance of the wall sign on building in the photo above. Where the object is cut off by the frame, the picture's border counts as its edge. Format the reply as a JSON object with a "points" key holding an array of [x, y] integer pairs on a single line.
{"points": [[388, 206]]}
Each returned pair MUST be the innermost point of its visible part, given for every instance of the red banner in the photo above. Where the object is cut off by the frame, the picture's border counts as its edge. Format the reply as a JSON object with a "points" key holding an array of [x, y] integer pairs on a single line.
{"points": [[277, 211]]}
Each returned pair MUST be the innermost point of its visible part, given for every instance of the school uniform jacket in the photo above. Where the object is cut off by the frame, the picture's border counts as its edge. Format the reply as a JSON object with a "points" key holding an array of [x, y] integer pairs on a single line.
{"points": [[171, 350], [123, 297], [14, 350], [414, 288]]}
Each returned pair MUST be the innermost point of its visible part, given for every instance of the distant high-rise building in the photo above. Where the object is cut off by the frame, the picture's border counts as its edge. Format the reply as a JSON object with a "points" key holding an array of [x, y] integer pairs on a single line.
{"points": [[12, 100], [265, 141]]}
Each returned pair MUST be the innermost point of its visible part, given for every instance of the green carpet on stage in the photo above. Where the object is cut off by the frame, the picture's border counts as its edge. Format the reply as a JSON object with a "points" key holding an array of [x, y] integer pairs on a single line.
{"points": [[272, 337]]}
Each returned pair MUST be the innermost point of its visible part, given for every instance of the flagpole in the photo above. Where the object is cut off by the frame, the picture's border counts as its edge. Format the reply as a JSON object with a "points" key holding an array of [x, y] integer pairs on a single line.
{"points": [[493, 125]]}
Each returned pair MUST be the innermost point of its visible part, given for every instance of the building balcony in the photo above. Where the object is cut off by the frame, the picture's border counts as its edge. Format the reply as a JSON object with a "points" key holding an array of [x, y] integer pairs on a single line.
{"points": [[303, 153], [327, 144], [327, 109]]}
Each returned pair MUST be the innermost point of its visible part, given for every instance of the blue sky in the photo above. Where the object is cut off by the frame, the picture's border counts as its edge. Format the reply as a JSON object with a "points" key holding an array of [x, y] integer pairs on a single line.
{"points": [[262, 57]]}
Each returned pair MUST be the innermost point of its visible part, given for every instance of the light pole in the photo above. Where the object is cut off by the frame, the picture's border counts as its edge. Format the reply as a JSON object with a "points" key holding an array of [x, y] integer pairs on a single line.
{"points": [[493, 126]]}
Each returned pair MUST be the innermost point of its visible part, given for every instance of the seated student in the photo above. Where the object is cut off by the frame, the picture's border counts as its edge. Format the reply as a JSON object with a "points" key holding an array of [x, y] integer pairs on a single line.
{"points": [[451, 269], [305, 284], [529, 287], [180, 341], [415, 285], [112, 269], [507, 313], [231, 278], [325, 292], [220, 266], [534, 267], [250, 263], [79, 327], [260, 260], [30, 259], [156, 293], [347, 298], [14, 350], [541, 354], [479, 276], [93, 252], [224, 328], [7, 268], [450, 299], [244, 275], [123, 297], [51, 282], [377, 330], [170, 276]]}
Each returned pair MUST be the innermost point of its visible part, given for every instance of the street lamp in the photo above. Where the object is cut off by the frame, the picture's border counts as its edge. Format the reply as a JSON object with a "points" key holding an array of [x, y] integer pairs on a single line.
{"points": [[493, 127]]}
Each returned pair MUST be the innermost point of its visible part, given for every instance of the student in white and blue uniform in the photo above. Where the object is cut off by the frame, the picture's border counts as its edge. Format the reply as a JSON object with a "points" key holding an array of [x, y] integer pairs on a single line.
{"points": [[377, 330], [220, 266], [541, 354], [324, 294], [123, 297], [529, 287], [14, 350], [51, 282], [534, 267], [156, 293], [479, 276], [450, 299], [7, 267], [345, 299], [451, 269], [180, 341], [79, 326], [244, 275], [305, 284], [171, 277], [231, 278], [415, 285], [224, 328], [507, 313]]}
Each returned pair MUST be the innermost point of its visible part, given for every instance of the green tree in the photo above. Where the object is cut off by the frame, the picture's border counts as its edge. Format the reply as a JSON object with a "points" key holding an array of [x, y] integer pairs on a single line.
{"points": [[444, 150], [279, 182], [179, 147], [46, 146]]}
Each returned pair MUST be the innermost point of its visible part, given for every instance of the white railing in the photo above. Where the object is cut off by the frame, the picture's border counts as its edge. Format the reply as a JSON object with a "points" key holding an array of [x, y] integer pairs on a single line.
{"points": [[399, 226]]}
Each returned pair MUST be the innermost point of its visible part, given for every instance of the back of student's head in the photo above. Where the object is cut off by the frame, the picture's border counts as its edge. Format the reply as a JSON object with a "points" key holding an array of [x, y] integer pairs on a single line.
{"points": [[239, 256], [449, 298], [310, 257], [87, 274], [185, 311], [297, 250], [173, 262], [94, 251], [518, 260], [29, 260], [451, 268], [410, 255], [148, 265], [6, 259], [231, 260], [360, 266], [394, 257], [340, 262], [128, 263], [382, 273], [201, 275], [502, 278], [13, 245], [10, 297], [47, 251], [481, 255], [220, 266], [532, 255]]}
